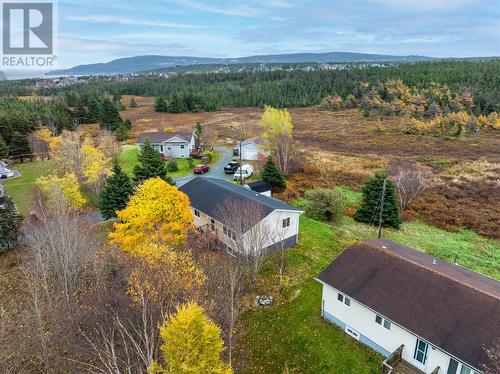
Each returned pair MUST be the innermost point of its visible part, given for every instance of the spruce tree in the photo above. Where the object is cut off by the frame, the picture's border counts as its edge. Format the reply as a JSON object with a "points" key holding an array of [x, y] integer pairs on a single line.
{"points": [[115, 193], [176, 104], [133, 103], [369, 210], [4, 148], [109, 118], [160, 104], [10, 221], [94, 108], [272, 175], [150, 165]]}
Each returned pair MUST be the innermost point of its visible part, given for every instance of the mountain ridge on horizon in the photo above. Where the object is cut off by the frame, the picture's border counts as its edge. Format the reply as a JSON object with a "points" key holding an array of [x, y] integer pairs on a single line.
{"points": [[137, 64]]}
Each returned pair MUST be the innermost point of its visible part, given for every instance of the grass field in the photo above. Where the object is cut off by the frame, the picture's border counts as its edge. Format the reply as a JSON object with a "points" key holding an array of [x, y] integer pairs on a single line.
{"points": [[292, 336], [21, 188]]}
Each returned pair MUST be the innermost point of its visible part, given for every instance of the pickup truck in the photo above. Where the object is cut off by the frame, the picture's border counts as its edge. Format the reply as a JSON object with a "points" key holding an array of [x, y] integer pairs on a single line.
{"points": [[244, 171], [231, 167]]}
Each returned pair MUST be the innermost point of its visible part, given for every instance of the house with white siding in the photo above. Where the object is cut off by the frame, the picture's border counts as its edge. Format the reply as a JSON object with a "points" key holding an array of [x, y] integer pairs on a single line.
{"points": [[251, 149], [423, 314], [276, 221], [170, 144]]}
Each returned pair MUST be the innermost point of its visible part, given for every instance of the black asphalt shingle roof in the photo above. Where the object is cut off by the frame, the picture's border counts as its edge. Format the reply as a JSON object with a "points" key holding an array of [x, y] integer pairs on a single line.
{"points": [[208, 194], [161, 136], [259, 186], [451, 307]]}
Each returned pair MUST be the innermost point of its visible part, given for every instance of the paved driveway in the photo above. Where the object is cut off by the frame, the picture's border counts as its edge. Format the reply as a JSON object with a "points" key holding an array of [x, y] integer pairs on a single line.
{"points": [[216, 171]]}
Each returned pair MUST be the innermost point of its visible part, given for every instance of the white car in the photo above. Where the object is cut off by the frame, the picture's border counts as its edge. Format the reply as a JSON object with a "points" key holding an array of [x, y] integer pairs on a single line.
{"points": [[5, 173], [245, 171]]}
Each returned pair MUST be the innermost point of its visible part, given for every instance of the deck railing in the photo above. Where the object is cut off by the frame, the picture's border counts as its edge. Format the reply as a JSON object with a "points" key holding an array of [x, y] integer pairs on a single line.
{"points": [[391, 361]]}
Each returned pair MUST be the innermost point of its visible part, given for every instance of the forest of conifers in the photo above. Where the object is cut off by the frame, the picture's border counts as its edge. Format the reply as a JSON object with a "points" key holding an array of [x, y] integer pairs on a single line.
{"points": [[211, 91]]}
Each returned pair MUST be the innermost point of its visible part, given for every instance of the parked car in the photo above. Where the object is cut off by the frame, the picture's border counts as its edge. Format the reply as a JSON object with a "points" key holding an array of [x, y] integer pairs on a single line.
{"points": [[201, 169], [245, 171], [231, 167], [5, 173], [236, 151]]}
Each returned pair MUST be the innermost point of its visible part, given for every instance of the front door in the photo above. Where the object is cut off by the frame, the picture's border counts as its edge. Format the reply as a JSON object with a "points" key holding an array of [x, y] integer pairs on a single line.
{"points": [[420, 355]]}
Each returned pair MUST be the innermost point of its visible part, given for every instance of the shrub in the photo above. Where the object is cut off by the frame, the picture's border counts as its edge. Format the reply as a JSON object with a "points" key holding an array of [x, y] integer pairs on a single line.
{"points": [[172, 165], [210, 155], [324, 204]]}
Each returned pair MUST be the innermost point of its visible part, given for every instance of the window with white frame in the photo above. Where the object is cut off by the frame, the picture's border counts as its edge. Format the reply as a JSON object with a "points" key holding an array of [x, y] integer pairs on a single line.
{"points": [[286, 222], [182, 146], [196, 213], [228, 232], [455, 367], [383, 322], [344, 299], [212, 224]]}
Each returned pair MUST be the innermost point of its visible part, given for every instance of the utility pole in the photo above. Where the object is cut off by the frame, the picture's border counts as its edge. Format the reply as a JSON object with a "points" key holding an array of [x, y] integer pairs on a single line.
{"points": [[381, 209], [241, 163]]}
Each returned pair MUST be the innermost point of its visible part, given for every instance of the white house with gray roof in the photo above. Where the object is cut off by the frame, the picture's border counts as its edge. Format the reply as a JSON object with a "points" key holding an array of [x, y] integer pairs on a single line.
{"points": [[278, 220], [170, 144]]}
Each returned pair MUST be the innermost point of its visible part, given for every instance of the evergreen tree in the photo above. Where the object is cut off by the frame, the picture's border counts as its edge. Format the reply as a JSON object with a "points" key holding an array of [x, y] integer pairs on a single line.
{"points": [[133, 103], [272, 175], [160, 104], [4, 148], [176, 104], [128, 124], [79, 112], [369, 210], [94, 108], [198, 132], [115, 193], [150, 165], [109, 118], [10, 221], [121, 132]]}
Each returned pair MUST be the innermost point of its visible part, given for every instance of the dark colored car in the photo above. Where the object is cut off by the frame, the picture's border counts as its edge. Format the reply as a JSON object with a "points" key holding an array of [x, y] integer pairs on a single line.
{"points": [[200, 169], [231, 167]]}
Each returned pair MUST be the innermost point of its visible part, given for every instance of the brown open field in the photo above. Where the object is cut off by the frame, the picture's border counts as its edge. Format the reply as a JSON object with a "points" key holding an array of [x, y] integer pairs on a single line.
{"points": [[344, 148]]}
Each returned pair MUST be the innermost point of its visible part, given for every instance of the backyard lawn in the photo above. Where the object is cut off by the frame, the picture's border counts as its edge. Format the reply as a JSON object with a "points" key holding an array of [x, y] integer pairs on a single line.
{"points": [[292, 336], [21, 188]]}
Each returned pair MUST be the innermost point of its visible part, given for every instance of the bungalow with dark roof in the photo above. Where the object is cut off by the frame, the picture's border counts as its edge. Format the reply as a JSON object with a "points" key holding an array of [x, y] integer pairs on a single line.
{"points": [[211, 199], [169, 144], [422, 313]]}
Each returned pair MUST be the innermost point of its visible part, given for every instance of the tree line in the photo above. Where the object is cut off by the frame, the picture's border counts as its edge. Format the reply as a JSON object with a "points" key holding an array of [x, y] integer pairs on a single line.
{"points": [[299, 88]]}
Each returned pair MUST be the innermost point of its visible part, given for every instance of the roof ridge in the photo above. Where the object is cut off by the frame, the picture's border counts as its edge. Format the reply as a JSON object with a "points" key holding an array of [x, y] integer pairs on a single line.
{"points": [[434, 271]]}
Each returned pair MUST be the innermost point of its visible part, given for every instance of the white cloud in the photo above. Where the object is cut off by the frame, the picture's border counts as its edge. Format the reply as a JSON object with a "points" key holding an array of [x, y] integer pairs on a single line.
{"points": [[413, 5], [131, 21], [240, 11]]}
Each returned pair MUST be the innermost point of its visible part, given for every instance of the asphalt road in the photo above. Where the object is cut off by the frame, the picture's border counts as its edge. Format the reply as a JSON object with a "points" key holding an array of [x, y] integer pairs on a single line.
{"points": [[216, 171]]}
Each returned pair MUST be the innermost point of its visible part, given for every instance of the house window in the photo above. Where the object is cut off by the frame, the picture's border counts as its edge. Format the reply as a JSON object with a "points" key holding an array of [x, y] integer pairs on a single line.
{"points": [[455, 367], [286, 222], [182, 146], [382, 322], [420, 354], [347, 301], [344, 299], [224, 230], [196, 213], [161, 148], [212, 224], [340, 298], [351, 332]]}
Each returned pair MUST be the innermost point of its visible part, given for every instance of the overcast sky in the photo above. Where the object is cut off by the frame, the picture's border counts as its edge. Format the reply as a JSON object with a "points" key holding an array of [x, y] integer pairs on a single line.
{"points": [[91, 31]]}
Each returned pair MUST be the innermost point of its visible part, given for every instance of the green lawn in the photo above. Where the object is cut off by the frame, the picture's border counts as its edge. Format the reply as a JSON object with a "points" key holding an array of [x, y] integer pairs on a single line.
{"points": [[128, 158], [292, 334], [21, 189]]}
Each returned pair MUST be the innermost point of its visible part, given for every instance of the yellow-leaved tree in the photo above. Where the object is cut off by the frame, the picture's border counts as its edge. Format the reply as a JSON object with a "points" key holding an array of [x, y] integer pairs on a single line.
{"points": [[95, 166], [164, 276], [57, 190], [278, 128], [191, 344], [156, 212]]}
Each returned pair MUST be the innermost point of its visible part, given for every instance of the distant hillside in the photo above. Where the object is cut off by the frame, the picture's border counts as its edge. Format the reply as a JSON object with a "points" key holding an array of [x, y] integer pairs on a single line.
{"points": [[155, 62]]}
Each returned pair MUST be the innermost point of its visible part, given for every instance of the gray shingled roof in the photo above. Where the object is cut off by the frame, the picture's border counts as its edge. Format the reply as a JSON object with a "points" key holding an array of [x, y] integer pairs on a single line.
{"points": [[161, 136], [208, 194], [451, 307]]}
